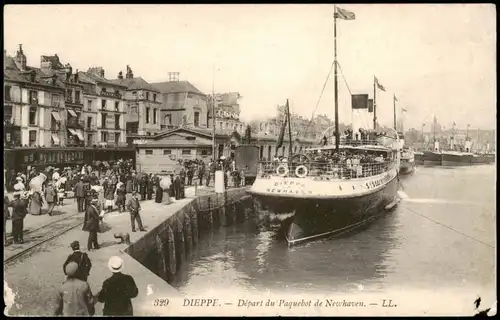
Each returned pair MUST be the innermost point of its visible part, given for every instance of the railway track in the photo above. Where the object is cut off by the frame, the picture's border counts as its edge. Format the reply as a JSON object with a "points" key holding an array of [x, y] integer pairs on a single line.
{"points": [[46, 233]]}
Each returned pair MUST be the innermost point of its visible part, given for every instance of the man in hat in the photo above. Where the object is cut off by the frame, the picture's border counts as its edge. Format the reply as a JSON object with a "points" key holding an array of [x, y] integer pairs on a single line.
{"points": [[19, 211], [79, 191], [50, 197], [91, 224], [118, 290], [74, 297], [19, 186], [81, 259], [134, 206]]}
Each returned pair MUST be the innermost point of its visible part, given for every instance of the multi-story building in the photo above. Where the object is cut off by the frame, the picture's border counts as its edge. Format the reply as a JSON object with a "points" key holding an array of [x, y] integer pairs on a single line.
{"points": [[32, 101], [142, 104], [227, 113], [182, 104], [71, 123], [108, 98]]}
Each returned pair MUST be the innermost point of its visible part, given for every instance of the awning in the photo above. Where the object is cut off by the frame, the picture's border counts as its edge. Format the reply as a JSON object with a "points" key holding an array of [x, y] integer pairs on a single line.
{"points": [[79, 133], [72, 131], [55, 138], [72, 113], [56, 116]]}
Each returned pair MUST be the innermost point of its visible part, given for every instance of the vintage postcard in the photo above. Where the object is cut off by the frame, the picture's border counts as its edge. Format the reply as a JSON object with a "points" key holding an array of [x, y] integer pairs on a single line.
{"points": [[250, 160]]}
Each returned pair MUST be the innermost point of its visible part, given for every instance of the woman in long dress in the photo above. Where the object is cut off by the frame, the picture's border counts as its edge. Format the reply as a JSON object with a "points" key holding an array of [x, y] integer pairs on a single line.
{"points": [[159, 190], [36, 203], [120, 196]]}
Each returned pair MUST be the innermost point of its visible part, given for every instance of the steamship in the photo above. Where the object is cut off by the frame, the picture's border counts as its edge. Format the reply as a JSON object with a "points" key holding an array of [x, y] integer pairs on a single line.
{"points": [[407, 164], [322, 193]]}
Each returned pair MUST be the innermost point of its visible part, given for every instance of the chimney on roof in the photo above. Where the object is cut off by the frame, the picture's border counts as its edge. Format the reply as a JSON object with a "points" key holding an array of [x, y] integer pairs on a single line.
{"points": [[101, 72], [76, 76], [32, 76], [120, 75], [130, 74], [173, 76], [20, 59]]}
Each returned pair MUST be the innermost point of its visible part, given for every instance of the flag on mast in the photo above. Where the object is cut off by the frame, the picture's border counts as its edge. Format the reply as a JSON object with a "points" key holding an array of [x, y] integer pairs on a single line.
{"points": [[344, 14], [395, 99], [404, 110], [381, 87]]}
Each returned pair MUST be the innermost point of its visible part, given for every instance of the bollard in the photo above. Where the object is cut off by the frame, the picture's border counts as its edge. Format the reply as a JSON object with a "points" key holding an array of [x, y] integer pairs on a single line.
{"points": [[194, 226], [180, 247], [172, 261], [162, 267], [188, 234], [209, 215]]}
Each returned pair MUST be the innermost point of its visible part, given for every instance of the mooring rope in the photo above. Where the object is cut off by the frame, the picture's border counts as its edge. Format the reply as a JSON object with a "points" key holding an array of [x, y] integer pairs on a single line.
{"points": [[450, 228]]}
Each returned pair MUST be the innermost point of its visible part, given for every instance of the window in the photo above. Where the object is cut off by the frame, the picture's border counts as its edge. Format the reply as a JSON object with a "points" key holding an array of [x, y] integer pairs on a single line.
{"points": [[117, 105], [103, 120], [103, 104], [32, 116], [7, 113], [104, 137], [196, 119], [103, 90], [89, 123], [167, 152], [69, 94], [149, 152], [220, 125], [147, 95], [186, 152], [154, 97], [168, 119], [117, 121], [89, 105], [117, 137], [147, 115], [77, 96], [134, 93], [227, 125], [204, 152], [32, 137], [89, 139], [33, 97], [6, 94], [154, 116], [148, 133]]}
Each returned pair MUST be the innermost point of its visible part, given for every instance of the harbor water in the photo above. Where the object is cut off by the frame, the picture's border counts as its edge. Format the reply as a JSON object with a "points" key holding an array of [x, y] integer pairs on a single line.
{"points": [[441, 237]]}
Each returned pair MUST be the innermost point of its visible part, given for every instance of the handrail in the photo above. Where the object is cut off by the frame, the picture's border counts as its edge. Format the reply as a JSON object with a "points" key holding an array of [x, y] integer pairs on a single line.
{"points": [[327, 169]]}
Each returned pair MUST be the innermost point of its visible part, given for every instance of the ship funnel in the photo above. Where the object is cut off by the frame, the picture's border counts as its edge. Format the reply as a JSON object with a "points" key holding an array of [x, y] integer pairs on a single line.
{"points": [[467, 146], [436, 146]]}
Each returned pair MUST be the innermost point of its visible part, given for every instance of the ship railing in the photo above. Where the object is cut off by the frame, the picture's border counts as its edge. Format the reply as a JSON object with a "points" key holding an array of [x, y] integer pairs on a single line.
{"points": [[324, 169]]}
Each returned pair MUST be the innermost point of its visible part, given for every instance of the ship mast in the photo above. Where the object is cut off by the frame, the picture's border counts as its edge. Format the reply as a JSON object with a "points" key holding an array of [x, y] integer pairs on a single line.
{"points": [[394, 102], [335, 84]]}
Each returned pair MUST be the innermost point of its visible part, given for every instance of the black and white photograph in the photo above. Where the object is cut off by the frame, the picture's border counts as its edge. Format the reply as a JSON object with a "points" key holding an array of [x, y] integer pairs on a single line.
{"points": [[250, 160]]}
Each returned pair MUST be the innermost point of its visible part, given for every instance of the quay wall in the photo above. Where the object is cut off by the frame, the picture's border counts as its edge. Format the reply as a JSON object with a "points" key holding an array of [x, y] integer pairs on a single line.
{"points": [[163, 250]]}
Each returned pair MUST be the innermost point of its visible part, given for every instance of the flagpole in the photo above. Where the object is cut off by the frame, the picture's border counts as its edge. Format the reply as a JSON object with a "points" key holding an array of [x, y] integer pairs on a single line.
{"points": [[374, 104], [336, 94], [213, 113], [394, 102], [289, 132]]}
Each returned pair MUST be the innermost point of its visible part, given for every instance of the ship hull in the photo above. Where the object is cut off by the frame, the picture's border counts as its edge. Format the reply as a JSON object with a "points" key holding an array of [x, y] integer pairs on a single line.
{"points": [[407, 165], [419, 158], [455, 160], [432, 158], [316, 218], [482, 159]]}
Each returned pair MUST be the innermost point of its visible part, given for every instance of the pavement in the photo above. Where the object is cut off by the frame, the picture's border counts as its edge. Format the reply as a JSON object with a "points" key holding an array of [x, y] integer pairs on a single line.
{"points": [[36, 277]]}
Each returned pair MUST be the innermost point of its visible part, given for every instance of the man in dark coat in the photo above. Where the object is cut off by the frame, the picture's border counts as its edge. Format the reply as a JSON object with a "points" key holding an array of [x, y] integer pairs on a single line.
{"points": [[190, 174], [19, 211], [117, 291], [201, 172], [79, 191], [144, 186], [150, 186], [81, 259], [177, 187], [91, 225], [134, 206]]}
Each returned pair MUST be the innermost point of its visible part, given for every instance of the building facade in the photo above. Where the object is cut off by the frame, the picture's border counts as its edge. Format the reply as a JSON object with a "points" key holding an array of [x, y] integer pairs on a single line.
{"points": [[227, 112], [108, 98], [33, 102], [182, 104], [142, 104]]}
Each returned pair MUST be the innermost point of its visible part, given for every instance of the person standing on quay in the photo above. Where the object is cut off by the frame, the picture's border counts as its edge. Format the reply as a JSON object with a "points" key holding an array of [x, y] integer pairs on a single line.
{"points": [[150, 186], [81, 259], [118, 290], [91, 225], [79, 191], [50, 197], [134, 206], [19, 211], [120, 196], [109, 194], [74, 298], [6, 215]]}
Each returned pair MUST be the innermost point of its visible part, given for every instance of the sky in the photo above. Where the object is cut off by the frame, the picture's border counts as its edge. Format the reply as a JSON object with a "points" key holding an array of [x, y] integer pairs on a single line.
{"points": [[437, 59]]}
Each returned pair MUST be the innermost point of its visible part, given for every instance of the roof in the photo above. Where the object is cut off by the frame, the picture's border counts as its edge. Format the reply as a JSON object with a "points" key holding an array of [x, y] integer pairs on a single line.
{"points": [[12, 73], [95, 79], [9, 64], [136, 83], [54, 60], [176, 87]]}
